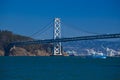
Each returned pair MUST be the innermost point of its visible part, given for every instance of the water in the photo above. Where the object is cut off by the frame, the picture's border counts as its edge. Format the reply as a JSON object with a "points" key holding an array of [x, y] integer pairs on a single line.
{"points": [[59, 68]]}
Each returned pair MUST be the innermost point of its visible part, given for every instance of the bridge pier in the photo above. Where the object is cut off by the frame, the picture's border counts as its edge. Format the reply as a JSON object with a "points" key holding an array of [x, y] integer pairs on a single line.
{"points": [[7, 49]]}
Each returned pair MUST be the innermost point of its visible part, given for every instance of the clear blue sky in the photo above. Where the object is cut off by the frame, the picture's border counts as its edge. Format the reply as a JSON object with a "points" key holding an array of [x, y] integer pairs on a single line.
{"points": [[27, 16]]}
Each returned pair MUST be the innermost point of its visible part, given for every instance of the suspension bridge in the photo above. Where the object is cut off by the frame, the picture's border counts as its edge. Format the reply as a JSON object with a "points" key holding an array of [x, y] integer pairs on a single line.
{"points": [[57, 39]]}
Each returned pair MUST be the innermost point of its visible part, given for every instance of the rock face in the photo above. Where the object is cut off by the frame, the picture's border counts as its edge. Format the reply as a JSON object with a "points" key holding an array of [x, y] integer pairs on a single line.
{"points": [[41, 53], [18, 51], [1, 53]]}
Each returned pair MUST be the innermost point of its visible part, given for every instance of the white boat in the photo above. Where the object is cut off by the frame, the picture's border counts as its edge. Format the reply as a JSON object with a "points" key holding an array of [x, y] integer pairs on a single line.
{"points": [[98, 56]]}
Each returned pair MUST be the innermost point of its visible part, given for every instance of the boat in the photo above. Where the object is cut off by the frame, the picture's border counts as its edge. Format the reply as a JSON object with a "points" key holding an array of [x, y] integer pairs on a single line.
{"points": [[99, 56]]}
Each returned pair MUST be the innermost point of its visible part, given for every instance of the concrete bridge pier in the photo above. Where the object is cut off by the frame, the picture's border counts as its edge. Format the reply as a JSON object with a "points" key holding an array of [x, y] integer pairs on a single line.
{"points": [[7, 49]]}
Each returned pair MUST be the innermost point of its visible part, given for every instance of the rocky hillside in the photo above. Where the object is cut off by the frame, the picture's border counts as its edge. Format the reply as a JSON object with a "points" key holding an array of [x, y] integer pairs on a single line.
{"points": [[18, 51], [31, 50]]}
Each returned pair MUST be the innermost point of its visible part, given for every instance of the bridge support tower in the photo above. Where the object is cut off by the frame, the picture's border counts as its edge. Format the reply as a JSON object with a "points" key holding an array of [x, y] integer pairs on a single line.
{"points": [[57, 35]]}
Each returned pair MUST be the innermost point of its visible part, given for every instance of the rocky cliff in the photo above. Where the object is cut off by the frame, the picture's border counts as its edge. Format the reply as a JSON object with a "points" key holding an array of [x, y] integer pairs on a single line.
{"points": [[18, 51]]}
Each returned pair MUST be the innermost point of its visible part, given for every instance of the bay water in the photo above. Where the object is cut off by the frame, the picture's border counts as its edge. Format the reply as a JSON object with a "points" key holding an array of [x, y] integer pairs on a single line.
{"points": [[59, 68]]}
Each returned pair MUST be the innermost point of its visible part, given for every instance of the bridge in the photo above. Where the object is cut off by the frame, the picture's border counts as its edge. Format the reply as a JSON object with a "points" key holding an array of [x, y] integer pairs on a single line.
{"points": [[57, 38]]}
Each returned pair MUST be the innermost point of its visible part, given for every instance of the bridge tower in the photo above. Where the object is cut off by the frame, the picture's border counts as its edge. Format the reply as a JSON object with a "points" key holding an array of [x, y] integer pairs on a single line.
{"points": [[57, 35]]}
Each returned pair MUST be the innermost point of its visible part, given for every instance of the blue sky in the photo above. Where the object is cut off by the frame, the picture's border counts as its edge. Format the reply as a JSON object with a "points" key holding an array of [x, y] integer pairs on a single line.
{"points": [[28, 16]]}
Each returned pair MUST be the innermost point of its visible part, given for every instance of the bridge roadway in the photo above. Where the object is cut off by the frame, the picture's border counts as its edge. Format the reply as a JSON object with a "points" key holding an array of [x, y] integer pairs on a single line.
{"points": [[103, 36]]}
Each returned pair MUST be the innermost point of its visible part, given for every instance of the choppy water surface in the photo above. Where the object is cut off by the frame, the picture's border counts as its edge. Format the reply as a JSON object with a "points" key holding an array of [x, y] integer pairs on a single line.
{"points": [[59, 68]]}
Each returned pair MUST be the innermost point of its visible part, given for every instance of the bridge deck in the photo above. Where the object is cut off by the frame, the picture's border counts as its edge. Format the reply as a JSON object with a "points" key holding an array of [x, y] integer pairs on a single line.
{"points": [[104, 36]]}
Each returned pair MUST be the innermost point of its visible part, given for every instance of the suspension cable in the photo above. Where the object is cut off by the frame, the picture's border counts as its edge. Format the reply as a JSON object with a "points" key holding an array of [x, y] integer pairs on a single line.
{"points": [[88, 32], [41, 30], [45, 30]]}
